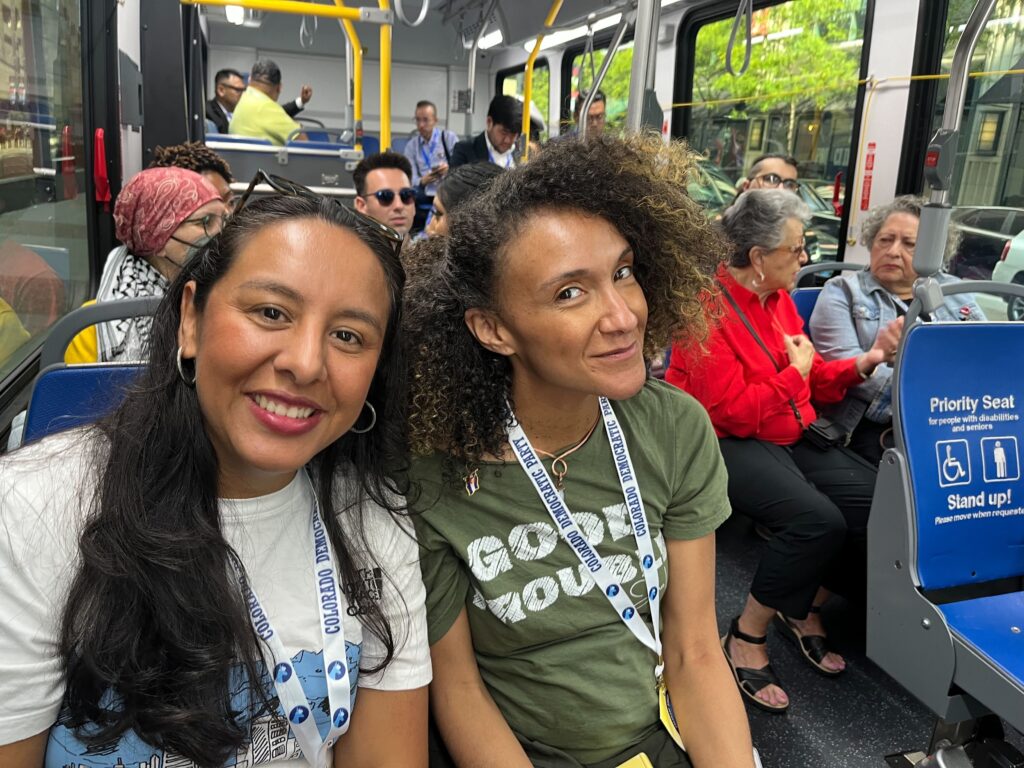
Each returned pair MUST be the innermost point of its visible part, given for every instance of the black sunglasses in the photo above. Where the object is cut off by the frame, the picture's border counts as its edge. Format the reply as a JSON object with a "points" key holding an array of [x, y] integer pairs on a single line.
{"points": [[387, 196], [288, 187]]}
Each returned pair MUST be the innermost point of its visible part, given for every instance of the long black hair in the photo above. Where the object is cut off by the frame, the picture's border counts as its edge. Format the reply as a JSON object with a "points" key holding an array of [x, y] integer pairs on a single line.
{"points": [[155, 620]]}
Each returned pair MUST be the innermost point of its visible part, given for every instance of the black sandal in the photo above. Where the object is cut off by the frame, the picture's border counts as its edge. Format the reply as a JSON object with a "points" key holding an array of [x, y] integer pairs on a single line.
{"points": [[812, 647], [751, 681]]}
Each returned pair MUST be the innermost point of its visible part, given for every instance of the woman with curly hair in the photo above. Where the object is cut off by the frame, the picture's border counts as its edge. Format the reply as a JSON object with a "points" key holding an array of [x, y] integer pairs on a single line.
{"points": [[561, 490], [196, 156]]}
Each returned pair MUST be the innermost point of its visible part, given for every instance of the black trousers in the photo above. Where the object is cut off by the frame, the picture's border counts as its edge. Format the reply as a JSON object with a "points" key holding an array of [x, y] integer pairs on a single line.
{"points": [[816, 503], [870, 439]]}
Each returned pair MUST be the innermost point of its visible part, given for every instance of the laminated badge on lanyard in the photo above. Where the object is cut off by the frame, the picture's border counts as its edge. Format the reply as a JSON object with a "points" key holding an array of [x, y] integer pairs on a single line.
{"points": [[595, 565], [294, 702]]}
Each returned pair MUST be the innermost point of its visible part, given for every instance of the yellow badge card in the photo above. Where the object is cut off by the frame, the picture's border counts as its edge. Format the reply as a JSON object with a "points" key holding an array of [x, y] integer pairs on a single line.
{"points": [[638, 761], [668, 716]]}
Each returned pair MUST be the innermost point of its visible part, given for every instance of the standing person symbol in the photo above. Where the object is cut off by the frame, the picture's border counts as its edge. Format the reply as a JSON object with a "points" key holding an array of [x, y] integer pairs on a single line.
{"points": [[999, 456]]}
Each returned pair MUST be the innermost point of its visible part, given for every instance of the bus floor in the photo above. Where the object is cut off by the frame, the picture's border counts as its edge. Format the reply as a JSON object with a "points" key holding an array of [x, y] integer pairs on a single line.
{"points": [[852, 721]]}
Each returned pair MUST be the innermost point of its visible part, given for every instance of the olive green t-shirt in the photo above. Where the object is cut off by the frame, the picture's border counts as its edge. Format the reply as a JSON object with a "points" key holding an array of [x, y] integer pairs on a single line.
{"points": [[561, 666]]}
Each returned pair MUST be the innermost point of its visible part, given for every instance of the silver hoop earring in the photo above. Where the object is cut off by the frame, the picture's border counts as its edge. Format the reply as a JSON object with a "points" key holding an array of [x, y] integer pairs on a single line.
{"points": [[373, 420], [181, 372]]}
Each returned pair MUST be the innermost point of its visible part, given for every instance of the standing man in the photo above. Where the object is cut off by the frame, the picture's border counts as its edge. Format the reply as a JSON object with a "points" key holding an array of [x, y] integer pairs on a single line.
{"points": [[430, 154], [772, 171], [497, 144], [384, 191], [257, 113], [229, 87]]}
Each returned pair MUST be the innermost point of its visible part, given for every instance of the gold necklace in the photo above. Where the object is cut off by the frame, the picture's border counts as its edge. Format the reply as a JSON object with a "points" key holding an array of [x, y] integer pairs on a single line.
{"points": [[559, 467]]}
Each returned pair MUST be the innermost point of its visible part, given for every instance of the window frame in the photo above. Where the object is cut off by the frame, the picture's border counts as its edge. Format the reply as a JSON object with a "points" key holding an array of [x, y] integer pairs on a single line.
{"points": [[685, 68], [516, 69], [100, 110], [602, 40]]}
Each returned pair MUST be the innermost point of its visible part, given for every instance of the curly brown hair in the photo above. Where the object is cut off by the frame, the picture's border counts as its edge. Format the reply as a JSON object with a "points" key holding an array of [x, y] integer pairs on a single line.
{"points": [[192, 156], [460, 391]]}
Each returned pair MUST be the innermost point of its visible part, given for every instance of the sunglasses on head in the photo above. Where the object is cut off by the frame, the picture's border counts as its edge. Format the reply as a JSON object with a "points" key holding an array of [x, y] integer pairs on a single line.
{"points": [[290, 188], [387, 196], [774, 180]]}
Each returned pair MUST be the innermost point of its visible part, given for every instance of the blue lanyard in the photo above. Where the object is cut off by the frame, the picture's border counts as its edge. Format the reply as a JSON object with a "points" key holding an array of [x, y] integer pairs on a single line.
{"points": [[428, 153], [508, 158]]}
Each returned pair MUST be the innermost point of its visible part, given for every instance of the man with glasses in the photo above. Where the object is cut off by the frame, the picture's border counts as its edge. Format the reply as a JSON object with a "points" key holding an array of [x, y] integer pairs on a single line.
{"points": [[384, 191], [497, 144], [430, 153], [229, 87], [595, 115], [772, 171], [257, 113]]}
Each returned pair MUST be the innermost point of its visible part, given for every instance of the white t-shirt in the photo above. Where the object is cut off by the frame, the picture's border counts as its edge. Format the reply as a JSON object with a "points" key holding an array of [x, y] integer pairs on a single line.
{"points": [[45, 490]]}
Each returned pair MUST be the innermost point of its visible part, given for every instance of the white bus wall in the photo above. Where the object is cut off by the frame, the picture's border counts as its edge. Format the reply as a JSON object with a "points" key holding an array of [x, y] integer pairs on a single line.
{"points": [[441, 66]]}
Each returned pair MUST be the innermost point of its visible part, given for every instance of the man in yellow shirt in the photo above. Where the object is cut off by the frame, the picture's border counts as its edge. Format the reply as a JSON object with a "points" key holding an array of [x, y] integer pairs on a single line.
{"points": [[257, 113]]}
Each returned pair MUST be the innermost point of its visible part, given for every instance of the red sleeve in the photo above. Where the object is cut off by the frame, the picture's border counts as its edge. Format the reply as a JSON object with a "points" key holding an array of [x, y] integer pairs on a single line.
{"points": [[720, 382], [830, 379]]}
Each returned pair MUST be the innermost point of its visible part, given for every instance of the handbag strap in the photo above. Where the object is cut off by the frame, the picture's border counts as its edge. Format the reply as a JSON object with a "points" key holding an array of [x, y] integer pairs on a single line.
{"points": [[750, 327]]}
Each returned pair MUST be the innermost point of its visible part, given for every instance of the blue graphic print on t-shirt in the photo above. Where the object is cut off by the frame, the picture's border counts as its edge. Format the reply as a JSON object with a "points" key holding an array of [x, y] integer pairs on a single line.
{"points": [[270, 740]]}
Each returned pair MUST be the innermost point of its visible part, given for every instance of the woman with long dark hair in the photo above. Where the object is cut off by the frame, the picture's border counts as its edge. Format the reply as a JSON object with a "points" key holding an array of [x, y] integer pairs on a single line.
{"points": [[561, 490], [205, 577]]}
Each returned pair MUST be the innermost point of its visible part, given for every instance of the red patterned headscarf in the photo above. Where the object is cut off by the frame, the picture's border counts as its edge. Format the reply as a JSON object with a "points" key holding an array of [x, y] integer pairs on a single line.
{"points": [[154, 203]]}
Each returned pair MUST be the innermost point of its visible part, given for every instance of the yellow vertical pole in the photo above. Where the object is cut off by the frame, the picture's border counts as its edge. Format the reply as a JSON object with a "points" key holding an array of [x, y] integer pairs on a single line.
{"points": [[385, 80], [556, 6], [357, 76]]}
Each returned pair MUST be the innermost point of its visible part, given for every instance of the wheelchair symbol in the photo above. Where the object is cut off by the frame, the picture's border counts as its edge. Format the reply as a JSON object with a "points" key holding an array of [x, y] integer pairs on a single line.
{"points": [[954, 461]]}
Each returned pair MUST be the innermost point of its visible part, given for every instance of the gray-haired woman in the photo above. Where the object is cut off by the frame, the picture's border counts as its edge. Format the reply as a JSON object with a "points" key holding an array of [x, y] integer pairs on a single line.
{"points": [[854, 306], [757, 381]]}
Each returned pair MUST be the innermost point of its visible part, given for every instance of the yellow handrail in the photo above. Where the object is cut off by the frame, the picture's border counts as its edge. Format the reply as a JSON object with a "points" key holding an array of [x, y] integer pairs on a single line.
{"points": [[297, 7], [385, 81], [357, 76], [556, 6]]}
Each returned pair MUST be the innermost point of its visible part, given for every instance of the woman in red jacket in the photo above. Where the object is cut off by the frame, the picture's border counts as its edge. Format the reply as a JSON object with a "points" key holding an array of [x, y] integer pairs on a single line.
{"points": [[757, 379]]}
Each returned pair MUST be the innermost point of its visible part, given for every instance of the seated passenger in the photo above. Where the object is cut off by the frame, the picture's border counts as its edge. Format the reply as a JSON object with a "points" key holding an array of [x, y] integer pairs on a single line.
{"points": [[462, 185], [757, 380], [853, 307], [195, 156], [176, 580], [384, 191], [12, 332], [163, 216], [529, 353], [257, 113], [31, 287]]}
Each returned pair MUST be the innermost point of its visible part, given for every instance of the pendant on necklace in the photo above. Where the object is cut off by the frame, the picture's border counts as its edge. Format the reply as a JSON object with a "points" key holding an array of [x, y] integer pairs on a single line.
{"points": [[472, 482]]}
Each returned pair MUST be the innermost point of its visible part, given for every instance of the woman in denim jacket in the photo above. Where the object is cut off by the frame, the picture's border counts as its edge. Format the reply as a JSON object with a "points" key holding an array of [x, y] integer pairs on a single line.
{"points": [[853, 307]]}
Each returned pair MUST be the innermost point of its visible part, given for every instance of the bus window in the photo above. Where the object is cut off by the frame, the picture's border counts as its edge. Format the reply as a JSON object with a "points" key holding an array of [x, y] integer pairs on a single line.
{"points": [[988, 180], [615, 85], [510, 83], [44, 256], [797, 98]]}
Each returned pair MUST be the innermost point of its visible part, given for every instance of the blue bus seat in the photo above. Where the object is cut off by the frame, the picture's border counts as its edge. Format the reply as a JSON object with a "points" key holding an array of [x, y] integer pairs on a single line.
{"points": [[70, 396], [66, 396], [946, 531], [230, 138], [398, 143], [805, 299]]}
